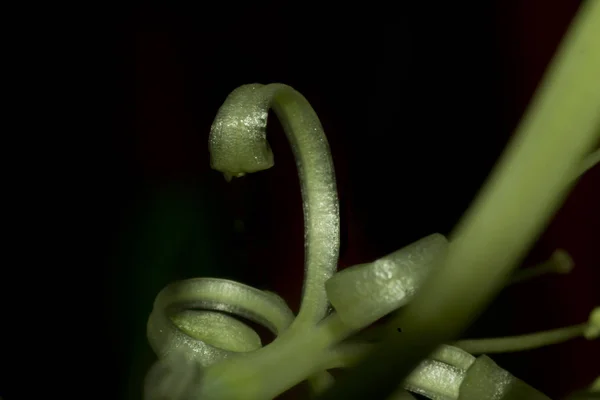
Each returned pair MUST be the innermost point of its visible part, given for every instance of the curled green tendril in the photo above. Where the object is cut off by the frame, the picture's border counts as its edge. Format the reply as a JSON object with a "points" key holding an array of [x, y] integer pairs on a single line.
{"points": [[238, 145], [211, 336]]}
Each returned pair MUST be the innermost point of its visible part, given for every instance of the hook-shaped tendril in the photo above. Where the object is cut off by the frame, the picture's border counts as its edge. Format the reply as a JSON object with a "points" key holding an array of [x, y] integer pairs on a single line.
{"points": [[238, 145]]}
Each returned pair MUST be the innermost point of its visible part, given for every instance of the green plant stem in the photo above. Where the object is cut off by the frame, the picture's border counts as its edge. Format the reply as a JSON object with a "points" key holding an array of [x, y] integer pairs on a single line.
{"points": [[238, 145], [273, 369], [521, 342], [525, 189], [559, 263]]}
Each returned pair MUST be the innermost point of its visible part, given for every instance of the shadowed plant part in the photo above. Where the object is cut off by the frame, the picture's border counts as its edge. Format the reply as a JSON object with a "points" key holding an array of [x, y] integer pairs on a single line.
{"points": [[206, 352]]}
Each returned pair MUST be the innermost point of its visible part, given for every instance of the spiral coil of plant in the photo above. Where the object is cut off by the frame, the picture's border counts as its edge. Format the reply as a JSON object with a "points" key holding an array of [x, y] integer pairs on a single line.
{"points": [[206, 353]]}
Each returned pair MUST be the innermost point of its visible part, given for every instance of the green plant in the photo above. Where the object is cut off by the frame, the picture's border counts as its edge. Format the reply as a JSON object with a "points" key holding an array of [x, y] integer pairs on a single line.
{"points": [[209, 354]]}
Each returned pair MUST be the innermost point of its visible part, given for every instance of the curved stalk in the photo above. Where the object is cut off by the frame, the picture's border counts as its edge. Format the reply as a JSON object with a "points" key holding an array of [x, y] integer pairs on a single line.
{"points": [[238, 146]]}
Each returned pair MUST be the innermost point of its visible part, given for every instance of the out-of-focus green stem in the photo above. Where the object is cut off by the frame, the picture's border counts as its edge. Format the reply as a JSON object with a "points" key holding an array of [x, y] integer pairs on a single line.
{"points": [[521, 342], [523, 192], [588, 163]]}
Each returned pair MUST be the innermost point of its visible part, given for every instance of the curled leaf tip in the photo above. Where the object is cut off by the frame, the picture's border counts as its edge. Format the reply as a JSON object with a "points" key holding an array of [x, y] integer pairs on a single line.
{"points": [[238, 142]]}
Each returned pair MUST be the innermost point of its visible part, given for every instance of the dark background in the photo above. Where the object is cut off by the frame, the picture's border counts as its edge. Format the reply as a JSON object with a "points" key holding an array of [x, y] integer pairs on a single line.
{"points": [[417, 103]]}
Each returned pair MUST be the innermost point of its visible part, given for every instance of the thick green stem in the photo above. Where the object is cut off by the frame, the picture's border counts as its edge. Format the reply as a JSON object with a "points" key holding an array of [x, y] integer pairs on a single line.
{"points": [[525, 189]]}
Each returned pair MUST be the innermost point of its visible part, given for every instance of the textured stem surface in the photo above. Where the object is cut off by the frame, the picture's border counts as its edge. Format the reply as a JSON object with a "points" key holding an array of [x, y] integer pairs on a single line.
{"points": [[238, 146]]}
